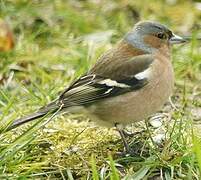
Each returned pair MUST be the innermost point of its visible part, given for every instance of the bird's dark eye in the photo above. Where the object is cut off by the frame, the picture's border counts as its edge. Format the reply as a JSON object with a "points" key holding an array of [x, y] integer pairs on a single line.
{"points": [[161, 36]]}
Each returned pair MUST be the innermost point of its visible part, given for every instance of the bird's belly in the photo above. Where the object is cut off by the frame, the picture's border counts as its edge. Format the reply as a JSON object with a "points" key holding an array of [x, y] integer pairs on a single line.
{"points": [[134, 106]]}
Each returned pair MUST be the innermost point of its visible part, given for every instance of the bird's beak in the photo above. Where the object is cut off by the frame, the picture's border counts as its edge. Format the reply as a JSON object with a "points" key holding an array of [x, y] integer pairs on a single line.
{"points": [[175, 39]]}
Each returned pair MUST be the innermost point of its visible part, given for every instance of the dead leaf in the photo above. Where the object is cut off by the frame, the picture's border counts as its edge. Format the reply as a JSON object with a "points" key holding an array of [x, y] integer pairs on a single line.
{"points": [[6, 37]]}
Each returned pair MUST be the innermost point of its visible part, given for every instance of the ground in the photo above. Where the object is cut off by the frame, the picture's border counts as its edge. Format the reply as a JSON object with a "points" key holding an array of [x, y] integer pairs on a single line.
{"points": [[57, 41]]}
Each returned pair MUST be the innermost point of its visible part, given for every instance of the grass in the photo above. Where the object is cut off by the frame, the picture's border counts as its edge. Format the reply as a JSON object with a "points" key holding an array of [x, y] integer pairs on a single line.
{"points": [[57, 41]]}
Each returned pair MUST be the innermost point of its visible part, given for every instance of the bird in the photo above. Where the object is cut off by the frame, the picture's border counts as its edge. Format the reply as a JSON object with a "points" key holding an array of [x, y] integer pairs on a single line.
{"points": [[127, 84]]}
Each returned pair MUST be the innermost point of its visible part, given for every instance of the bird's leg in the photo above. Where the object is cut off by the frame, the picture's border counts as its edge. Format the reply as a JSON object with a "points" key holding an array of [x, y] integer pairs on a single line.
{"points": [[122, 134], [172, 104]]}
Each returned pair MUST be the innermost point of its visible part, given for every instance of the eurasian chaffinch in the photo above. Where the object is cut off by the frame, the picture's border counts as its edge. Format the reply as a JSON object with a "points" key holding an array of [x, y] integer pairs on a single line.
{"points": [[127, 84]]}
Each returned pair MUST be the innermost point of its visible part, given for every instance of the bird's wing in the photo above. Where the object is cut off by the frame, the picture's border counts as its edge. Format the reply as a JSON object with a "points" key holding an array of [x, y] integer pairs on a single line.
{"points": [[129, 76]]}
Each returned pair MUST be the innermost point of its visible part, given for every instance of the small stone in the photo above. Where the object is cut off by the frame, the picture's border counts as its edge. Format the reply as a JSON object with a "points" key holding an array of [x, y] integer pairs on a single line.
{"points": [[159, 138], [196, 112], [156, 121]]}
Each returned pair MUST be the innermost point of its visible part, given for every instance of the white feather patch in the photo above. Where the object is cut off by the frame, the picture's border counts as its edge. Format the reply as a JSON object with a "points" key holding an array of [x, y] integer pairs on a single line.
{"points": [[87, 76], [108, 91], [113, 83], [144, 74]]}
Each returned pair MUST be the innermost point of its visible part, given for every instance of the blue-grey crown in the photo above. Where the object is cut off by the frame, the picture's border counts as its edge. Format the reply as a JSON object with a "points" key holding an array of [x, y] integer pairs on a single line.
{"points": [[136, 36]]}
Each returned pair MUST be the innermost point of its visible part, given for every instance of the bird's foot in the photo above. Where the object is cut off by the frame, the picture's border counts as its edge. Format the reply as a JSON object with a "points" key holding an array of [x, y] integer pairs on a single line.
{"points": [[130, 135], [127, 153]]}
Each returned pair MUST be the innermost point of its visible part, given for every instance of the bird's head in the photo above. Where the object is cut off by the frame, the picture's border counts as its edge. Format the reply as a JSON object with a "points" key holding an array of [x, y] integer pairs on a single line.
{"points": [[150, 36]]}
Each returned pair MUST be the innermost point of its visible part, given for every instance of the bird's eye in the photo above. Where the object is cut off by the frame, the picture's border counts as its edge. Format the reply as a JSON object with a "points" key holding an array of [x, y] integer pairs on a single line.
{"points": [[161, 36]]}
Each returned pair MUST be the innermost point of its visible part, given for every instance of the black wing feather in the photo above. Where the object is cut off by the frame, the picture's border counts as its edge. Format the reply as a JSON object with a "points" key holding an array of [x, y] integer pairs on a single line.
{"points": [[88, 89]]}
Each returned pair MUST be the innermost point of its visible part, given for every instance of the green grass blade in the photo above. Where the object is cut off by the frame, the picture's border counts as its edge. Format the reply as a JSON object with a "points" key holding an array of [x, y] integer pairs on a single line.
{"points": [[94, 169], [197, 149], [114, 174]]}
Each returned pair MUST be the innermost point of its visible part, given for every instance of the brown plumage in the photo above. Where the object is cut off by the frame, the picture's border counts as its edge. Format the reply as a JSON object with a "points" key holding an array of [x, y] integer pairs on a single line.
{"points": [[110, 64]]}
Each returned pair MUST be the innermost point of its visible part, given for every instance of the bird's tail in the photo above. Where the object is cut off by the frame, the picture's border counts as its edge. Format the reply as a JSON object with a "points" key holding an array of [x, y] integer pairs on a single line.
{"points": [[25, 119], [49, 109]]}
